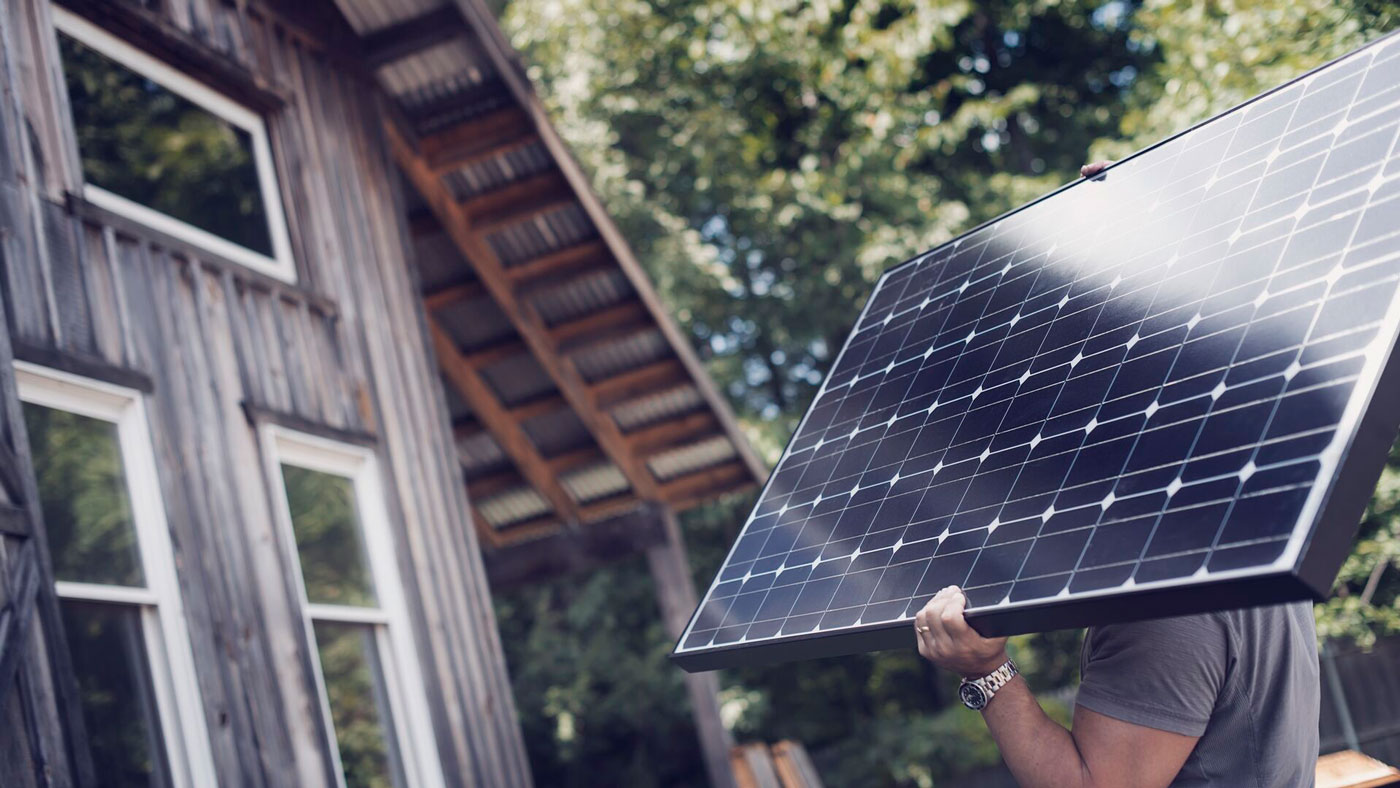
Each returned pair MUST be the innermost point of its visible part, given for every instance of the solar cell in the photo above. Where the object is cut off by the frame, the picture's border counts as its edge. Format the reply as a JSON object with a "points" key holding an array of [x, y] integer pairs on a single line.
{"points": [[1164, 390]]}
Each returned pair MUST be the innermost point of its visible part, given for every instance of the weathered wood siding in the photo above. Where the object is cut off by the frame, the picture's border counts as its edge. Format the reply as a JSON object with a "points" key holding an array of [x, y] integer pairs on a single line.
{"points": [[219, 348]]}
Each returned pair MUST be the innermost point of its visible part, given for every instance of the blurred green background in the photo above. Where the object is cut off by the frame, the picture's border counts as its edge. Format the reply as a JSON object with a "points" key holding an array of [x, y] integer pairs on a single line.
{"points": [[767, 159]]}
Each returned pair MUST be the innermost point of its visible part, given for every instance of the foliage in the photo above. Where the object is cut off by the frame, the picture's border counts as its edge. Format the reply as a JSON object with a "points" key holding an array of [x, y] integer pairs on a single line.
{"points": [[599, 703], [1366, 600], [767, 159]]}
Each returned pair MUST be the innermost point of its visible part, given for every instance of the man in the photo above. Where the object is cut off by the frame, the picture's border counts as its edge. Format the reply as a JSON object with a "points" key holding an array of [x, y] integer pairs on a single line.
{"points": [[1218, 699]]}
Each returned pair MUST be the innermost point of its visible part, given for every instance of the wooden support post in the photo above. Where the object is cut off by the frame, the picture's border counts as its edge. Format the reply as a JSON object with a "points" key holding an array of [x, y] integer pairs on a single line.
{"points": [[675, 593]]}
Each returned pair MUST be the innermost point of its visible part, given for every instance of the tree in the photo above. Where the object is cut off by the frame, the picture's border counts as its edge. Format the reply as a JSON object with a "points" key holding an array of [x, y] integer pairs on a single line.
{"points": [[767, 159]]}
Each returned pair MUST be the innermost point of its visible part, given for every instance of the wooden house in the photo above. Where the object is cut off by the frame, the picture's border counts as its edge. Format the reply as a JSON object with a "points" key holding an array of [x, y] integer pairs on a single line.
{"points": [[312, 330]]}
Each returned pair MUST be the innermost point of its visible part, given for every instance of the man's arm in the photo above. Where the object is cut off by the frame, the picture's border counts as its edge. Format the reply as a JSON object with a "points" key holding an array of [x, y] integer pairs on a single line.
{"points": [[1100, 751]]}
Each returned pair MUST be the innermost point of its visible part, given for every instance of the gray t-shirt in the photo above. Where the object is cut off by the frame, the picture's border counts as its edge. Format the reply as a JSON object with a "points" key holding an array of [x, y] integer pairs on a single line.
{"points": [[1244, 681]]}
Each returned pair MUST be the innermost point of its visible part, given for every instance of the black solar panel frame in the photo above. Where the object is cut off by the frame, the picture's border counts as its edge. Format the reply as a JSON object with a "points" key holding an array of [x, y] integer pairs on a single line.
{"points": [[1325, 547]]}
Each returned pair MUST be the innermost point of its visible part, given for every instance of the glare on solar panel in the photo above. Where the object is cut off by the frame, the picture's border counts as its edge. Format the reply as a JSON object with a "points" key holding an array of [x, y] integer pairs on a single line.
{"points": [[1166, 390]]}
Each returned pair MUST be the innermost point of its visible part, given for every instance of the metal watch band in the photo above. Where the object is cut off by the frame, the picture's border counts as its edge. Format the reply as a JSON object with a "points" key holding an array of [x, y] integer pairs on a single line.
{"points": [[977, 693], [997, 679]]}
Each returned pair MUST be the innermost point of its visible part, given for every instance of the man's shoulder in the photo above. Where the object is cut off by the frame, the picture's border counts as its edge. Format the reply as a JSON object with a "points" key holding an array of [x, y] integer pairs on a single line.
{"points": [[1230, 624]]}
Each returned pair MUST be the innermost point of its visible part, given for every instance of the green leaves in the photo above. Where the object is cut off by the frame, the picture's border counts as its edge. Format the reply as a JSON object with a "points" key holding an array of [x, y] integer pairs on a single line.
{"points": [[768, 159]]}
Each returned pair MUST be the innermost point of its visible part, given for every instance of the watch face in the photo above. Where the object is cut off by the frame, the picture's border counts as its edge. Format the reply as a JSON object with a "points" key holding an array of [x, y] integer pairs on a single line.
{"points": [[972, 696]]}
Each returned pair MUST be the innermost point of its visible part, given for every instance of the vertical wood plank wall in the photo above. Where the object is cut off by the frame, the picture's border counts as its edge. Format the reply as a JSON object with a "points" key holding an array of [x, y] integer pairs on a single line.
{"points": [[344, 349]]}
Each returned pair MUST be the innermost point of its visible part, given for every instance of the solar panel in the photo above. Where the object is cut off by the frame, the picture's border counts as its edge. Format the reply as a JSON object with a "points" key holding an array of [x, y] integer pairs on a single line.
{"points": [[1165, 390]]}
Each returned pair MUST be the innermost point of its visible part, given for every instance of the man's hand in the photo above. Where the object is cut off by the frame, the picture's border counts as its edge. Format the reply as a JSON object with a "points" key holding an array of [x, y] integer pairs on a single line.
{"points": [[1090, 170], [947, 641], [1100, 751]]}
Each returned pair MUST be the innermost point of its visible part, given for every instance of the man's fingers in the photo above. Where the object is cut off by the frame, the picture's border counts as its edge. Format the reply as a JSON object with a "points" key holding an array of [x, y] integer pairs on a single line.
{"points": [[953, 621], [1090, 170], [937, 631]]}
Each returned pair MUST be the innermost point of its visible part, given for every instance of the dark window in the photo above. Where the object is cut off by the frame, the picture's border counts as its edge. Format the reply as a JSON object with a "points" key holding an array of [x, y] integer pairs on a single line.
{"points": [[142, 141]]}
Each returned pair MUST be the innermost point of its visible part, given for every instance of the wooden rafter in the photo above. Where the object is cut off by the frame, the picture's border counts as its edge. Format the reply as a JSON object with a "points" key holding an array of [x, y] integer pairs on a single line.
{"points": [[570, 259], [501, 206], [481, 138], [498, 351], [583, 329], [490, 484], [463, 291], [538, 406], [663, 435], [413, 35], [638, 382], [576, 458], [509, 435], [522, 315], [730, 475]]}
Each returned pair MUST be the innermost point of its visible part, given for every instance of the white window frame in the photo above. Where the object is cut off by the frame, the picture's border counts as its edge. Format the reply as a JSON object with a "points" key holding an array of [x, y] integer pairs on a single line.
{"points": [[397, 651], [176, 686], [279, 265]]}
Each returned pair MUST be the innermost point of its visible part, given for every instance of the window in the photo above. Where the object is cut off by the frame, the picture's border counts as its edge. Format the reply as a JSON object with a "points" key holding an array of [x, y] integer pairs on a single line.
{"points": [[115, 572], [333, 518], [166, 151]]}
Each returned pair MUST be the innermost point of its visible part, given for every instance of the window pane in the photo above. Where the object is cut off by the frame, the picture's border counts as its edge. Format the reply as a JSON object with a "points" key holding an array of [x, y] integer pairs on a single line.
{"points": [[84, 498], [149, 145], [114, 686], [359, 704], [330, 544]]}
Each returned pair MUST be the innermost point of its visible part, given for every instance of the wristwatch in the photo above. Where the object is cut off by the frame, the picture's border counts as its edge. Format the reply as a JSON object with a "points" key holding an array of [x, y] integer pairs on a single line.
{"points": [[977, 693]]}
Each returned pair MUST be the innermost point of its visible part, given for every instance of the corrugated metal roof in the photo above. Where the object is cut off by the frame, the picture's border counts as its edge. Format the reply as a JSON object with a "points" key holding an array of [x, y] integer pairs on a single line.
{"points": [[513, 506], [518, 379], [480, 453], [557, 432], [606, 359], [438, 261], [475, 323], [435, 74], [541, 235], [457, 407], [691, 458], [582, 294], [594, 482], [484, 176], [668, 404], [367, 16]]}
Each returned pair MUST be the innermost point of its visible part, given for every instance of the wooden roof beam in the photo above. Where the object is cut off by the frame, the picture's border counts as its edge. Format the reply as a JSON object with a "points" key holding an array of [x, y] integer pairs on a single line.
{"points": [[582, 329], [538, 406], [663, 435], [480, 138], [527, 321], [399, 41], [492, 483], [582, 256], [498, 207], [509, 435], [638, 382], [732, 474], [575, 458], [528, 530], [451, 294], [500, 351]]}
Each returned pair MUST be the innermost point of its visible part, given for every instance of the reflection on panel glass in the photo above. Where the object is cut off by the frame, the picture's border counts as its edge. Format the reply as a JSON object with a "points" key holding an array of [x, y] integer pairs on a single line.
{"points": [[329, 540], [83, 495], [114, 684], [359, 704], [149, 145]]}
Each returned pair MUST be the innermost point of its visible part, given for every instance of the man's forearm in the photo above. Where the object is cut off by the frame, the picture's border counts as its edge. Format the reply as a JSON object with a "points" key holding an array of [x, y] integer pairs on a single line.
{"points": [[1038, 750]]}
